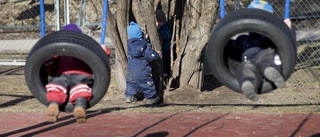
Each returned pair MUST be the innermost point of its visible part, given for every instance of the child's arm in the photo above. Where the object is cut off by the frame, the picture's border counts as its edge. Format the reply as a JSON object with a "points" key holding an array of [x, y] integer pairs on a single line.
{"points": [[288, 22], [150, 54]]}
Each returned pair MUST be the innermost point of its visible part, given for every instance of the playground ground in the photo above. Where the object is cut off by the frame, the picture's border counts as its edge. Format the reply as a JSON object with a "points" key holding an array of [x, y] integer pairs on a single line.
{"points": [[217, 112], [185, 112], [131, 124]]}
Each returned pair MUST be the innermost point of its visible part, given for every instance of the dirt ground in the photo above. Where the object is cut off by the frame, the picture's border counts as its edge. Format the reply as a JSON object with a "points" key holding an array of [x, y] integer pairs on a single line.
{"points": [[16, 97]]}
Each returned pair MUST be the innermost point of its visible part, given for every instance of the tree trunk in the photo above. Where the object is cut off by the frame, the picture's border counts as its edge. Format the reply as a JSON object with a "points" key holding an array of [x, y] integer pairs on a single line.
{"points": [[122, 21], [198, 19], [121, 57], [193, 25]]}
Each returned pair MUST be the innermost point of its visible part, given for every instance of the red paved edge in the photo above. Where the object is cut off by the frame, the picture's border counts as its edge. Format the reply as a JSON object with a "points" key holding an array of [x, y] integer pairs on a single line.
{"points": [[162, 124]]}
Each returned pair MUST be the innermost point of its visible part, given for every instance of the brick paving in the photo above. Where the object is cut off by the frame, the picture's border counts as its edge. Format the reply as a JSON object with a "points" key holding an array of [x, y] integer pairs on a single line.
{"points": [[124, 124]]}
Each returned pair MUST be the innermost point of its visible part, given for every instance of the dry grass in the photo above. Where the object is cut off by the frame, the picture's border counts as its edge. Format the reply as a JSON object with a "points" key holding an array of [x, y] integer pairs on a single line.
{"points": [[16, 97]]}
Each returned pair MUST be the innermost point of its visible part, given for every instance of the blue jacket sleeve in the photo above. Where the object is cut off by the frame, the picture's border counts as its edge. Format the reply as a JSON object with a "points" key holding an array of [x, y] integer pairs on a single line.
{"points": [[150, 54]]}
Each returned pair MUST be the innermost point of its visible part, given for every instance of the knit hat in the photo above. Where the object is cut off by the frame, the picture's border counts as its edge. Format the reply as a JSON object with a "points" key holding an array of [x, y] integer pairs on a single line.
{"points": [[160, 16], [134, 31], [260, 4], [72, 27]]}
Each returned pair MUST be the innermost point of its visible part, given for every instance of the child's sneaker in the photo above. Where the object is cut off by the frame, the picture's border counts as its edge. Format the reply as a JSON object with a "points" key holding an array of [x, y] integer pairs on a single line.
{"points": [[274, 76], [130, 99], [154, 100], [53, 111], [79, 111], [248, 89]]}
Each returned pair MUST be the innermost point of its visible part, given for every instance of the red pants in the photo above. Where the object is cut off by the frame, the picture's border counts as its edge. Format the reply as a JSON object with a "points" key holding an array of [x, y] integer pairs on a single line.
{"points": [[68, 85]]}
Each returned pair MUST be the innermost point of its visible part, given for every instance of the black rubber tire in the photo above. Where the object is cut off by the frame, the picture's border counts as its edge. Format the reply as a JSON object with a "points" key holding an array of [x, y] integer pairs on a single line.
{"points": [[250, 20], [67, 43]]}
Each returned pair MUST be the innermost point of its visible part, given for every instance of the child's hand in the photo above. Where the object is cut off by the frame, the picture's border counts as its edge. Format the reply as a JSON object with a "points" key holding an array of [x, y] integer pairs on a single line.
{"points": [[288, 22], [159, 52], [106, 49]]}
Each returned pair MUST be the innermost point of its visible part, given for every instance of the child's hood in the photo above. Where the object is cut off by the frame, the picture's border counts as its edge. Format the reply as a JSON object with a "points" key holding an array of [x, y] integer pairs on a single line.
{"points": [[136, 47]]}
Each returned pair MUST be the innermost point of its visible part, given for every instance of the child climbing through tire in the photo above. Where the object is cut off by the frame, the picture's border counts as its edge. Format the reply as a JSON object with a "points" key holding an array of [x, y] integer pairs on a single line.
{"points": [[259, 59], [70, 78]]}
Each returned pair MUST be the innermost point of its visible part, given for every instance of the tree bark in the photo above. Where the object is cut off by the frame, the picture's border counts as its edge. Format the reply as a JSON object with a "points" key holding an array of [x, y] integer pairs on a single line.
{"points": [[122, 21], [121, 57], [198, 19], [194, 22]]}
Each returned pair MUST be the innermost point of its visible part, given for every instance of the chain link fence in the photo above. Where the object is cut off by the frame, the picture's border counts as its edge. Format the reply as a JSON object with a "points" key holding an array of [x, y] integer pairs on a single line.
{"points": [[305, 17], [20, 24], [19, 30]]}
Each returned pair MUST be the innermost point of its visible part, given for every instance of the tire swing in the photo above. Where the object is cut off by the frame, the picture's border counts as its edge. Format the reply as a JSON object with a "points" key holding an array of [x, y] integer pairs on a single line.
{"points": [[73, 44], [244, 21]]}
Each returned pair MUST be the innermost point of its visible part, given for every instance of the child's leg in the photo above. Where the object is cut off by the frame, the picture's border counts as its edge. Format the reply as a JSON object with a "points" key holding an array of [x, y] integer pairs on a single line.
{"points": [[249, 79], [270, 65], [80, 94], [149, 91], [131, 91], [56, 95], [53, 112], [166, 63], [79, 111]]}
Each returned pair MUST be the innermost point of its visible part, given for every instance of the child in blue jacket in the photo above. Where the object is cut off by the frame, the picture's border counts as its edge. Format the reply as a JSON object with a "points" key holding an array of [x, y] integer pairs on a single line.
{"points": [[165, 33], [139, 71]]}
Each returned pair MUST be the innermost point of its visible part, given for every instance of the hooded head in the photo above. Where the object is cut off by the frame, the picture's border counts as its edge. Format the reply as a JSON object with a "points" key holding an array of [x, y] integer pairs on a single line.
{"points": [[134, 31], [261, 4], [72, 27], [161, 17]]}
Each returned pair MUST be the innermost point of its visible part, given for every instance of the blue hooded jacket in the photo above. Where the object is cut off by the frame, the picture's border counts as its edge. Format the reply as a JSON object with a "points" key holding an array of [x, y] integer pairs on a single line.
{"points": [[165, 33], [140, 55]]}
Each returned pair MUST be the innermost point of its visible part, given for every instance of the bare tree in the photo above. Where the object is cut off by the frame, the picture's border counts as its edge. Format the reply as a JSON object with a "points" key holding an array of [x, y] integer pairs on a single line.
{"points": [[192, 22]]}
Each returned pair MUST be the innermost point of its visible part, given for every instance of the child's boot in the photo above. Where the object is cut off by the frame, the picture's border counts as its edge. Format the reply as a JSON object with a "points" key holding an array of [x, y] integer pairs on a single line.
{"points": [[270, 64], [79, 111], [53, 111], [249, 79], [275, 76], [153, 100], [131, 98]]}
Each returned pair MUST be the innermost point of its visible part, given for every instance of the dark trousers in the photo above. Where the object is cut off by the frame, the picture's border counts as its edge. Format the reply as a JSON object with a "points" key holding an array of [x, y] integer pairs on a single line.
{"points": [[253, 68], [166, 62], [140, 84], [70, 80]]}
